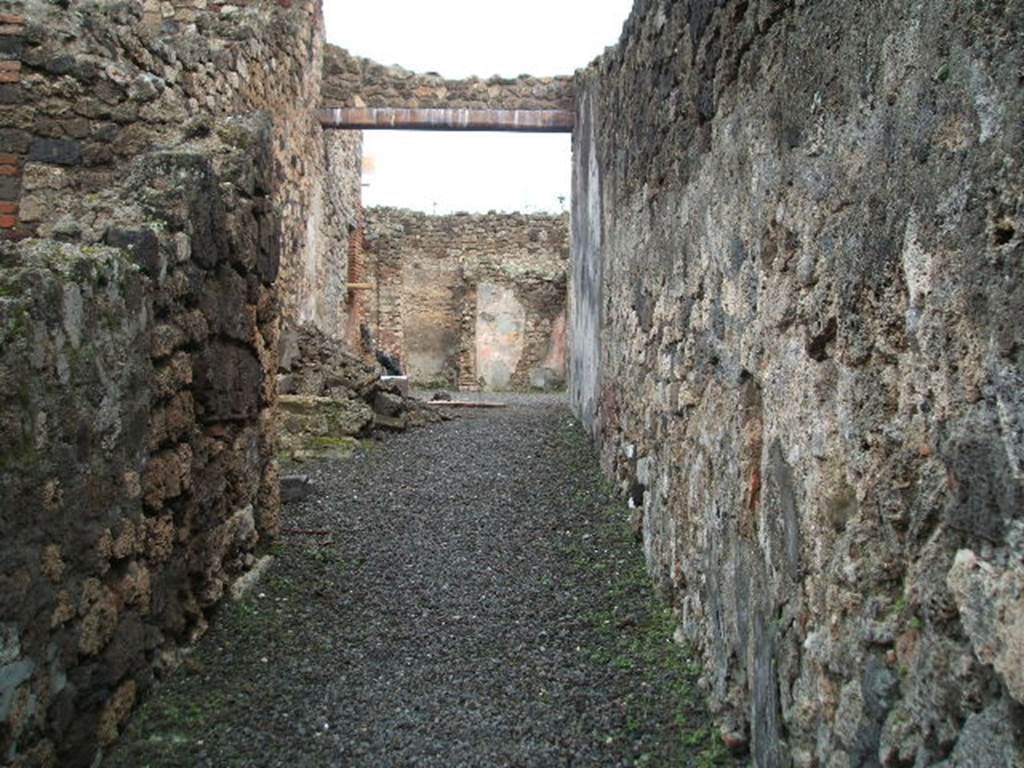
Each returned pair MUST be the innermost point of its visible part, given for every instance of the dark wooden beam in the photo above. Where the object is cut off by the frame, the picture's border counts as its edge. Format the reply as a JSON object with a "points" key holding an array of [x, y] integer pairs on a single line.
{"points": [[388, 118]]}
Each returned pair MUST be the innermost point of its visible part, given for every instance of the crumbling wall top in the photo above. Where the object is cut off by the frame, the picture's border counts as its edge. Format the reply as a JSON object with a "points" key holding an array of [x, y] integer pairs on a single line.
{"points": [[351, 81]]}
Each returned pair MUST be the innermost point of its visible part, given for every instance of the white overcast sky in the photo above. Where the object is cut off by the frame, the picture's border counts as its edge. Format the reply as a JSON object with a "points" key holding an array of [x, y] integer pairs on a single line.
{"points": [[444, 172]]}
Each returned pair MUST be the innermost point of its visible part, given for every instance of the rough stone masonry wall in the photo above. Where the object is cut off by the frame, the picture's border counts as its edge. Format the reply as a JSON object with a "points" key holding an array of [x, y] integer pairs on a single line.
{"points": [[136, 463], [468, 300], [796, 322], [351, 81], [171, 168], [88, 96]]}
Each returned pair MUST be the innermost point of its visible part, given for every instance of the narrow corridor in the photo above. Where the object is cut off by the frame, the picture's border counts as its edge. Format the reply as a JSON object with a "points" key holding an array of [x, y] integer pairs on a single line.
{"points": [[465, 594]]}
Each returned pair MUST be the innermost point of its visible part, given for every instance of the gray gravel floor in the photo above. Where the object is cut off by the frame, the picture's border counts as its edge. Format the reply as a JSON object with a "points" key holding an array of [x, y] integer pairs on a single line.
{"points": [[466, 594]]}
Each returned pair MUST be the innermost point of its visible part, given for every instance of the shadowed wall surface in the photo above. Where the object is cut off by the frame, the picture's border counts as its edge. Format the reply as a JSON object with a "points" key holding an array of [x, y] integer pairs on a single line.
{"points": [[796, 336], [167, 189]]}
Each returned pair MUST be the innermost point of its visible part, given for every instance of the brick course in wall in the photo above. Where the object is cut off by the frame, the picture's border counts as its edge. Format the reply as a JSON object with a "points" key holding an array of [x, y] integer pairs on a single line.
{"points": [[12, 148]]}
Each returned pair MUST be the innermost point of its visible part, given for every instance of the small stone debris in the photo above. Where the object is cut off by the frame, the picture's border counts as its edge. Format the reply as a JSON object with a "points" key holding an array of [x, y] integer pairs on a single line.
{"points": [[466, 404], [295, 488]]}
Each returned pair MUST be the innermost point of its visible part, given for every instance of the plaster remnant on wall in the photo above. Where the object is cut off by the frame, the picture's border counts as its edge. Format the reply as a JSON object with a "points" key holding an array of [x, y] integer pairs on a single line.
{"points": [[500, 324], [586, 268]]}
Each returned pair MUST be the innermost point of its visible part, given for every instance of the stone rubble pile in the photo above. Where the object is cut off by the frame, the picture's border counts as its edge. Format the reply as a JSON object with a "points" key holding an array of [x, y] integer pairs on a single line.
{"points": [[329, 397]]}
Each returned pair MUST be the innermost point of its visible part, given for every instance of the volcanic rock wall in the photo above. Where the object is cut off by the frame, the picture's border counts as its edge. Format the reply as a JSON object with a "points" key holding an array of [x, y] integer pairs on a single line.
{"points": [[796, 327], [470, 301], [137, 472], [351, 81], [172, 171]]}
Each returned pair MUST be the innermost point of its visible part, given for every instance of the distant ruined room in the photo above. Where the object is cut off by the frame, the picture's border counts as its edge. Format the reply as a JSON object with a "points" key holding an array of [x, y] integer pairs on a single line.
{"points": [[786, 306], [469, 301], [460, 301]]}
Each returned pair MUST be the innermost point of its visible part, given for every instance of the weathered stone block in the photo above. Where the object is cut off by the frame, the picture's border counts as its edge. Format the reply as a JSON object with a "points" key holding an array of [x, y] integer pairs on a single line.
{"points": [[14, 140], [10, 187], [386, 404], [116, 711], [295, 488], [166, 476], [174, 375], [144, 248], [990, 601], [165, 339], [225, 303], [56, 151], [226, 376], [180, 189], [311, 423], [11, 47]]}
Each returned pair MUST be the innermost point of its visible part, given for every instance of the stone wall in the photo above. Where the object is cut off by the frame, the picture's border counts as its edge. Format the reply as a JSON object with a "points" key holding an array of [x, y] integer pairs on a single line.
{"points": [[137, 473], [167, 178], [351, 81], [98, 85], [470, 301], [797, 337], [334, 232]]}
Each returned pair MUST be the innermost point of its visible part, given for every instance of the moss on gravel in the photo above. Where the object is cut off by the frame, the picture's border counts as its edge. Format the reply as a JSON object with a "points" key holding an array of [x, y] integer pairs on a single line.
{"points": [[638, 628]]}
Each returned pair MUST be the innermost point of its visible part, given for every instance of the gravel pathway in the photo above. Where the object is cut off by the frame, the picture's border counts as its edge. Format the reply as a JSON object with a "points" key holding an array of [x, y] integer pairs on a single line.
{"points": [[471, 596]]}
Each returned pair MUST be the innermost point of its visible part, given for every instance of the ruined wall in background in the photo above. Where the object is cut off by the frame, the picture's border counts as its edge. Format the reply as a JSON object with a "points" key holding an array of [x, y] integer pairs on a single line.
{"points": [[170, 167], [351, 81], [467, 300], [797, 337]]}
